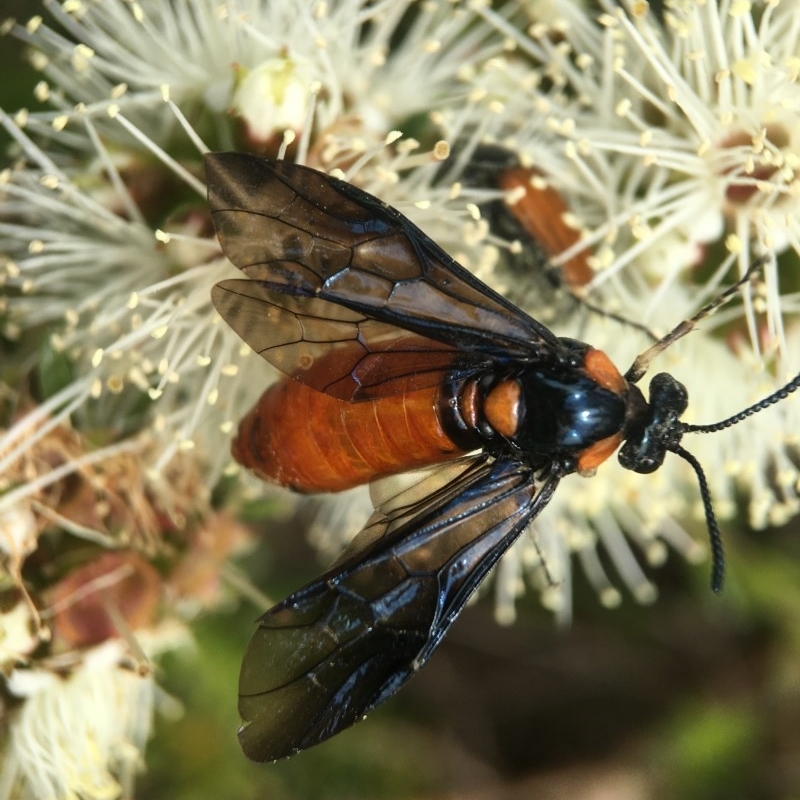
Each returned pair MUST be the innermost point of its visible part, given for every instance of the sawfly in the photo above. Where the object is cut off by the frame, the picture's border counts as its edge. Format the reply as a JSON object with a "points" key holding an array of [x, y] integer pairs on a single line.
{"points": [[397, 358]]}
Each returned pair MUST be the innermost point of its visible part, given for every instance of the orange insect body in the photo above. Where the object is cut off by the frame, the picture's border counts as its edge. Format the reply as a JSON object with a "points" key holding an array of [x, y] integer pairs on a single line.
{"points": [[309, 441], [541, 212], [302, 438]]}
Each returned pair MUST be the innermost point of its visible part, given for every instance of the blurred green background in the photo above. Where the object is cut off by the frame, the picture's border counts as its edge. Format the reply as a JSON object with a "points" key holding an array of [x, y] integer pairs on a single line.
{"points": [[697, 696]]}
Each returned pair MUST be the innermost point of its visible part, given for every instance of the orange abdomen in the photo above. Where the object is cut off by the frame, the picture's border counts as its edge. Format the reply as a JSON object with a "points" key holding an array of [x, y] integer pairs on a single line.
{"points": [[542, 213], [298, 437]]}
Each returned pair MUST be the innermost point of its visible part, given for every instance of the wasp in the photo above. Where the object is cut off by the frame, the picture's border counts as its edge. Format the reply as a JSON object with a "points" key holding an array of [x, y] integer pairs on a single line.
{"points": [[396, 359]]}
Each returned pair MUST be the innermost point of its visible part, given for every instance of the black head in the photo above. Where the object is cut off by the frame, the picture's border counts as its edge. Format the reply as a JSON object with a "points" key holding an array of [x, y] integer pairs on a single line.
{"points": [[655, 427], [651, 429]]}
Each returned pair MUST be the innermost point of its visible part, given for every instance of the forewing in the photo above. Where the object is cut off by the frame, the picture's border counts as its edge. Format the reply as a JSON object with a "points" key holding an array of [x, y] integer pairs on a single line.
{"points": [[333, 650], [332, 349], [308, 234]]}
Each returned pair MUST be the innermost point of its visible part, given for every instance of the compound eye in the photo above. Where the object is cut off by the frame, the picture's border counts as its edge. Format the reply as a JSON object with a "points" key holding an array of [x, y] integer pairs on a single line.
{"points": [[667, 394], [642, 455]]}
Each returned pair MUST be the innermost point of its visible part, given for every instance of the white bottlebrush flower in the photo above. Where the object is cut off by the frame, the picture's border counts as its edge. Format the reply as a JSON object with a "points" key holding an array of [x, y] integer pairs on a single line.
{"points": [[82, 735], [685, 131], [83, 250], [317, 62], [129, 310], [678, 141], [108, 248], [18, 636], [230, 39]]}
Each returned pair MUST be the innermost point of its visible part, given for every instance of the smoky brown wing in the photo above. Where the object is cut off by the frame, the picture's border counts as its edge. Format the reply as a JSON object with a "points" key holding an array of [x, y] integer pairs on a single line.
{"points": [[332, 349], [333, 650], [308, 234]]}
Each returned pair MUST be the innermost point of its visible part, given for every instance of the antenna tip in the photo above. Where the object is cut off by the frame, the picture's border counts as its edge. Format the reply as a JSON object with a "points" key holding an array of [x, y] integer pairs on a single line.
{"points": [[718, 573]]}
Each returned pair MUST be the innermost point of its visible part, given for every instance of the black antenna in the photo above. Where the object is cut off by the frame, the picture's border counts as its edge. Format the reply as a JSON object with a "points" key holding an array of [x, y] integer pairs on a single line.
{"points": [[775, 397], [717, 553], [646, 445], [714, 535]]}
